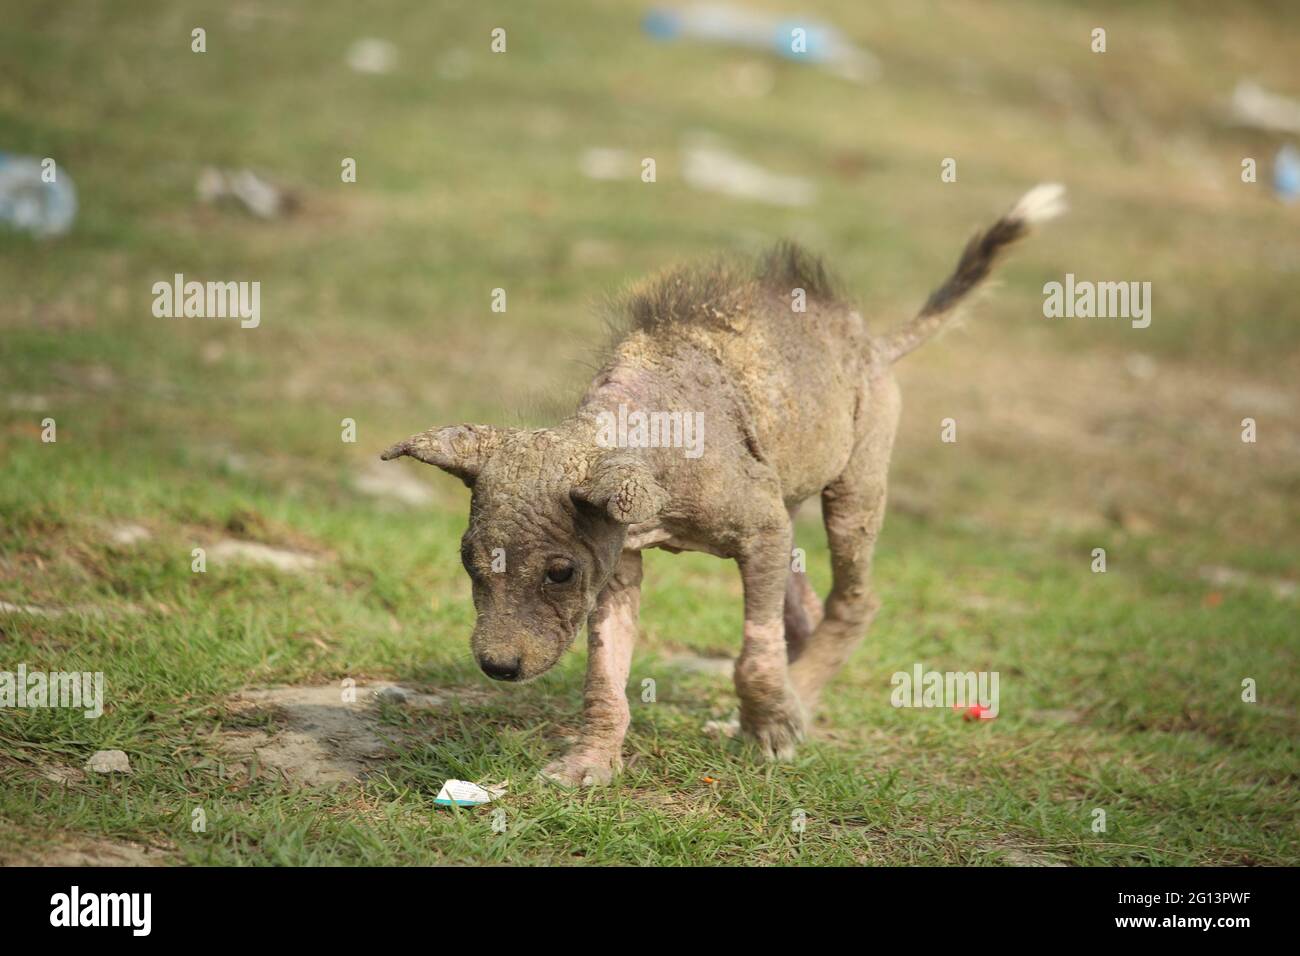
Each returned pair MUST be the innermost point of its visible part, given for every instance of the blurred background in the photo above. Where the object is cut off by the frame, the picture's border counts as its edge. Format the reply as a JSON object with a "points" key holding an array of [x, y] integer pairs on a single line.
{"points": [[522, 170]]}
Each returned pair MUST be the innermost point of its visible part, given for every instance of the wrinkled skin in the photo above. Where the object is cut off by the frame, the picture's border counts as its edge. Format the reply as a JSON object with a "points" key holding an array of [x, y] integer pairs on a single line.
{"points": [[556, 550], [794, 405], [569, 517], [538, 561]]}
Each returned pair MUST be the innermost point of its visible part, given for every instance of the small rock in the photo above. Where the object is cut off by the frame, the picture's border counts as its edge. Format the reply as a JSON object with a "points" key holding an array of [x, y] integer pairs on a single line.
{"points": [[393, 694], [253, 553], [109, 761], [128, 534], [212, 352], [372, 55], [605, 162], [246, 188], [1141, 366]]}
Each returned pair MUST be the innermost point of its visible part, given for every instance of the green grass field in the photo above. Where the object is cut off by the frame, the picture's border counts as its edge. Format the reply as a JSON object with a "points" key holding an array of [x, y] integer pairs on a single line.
{"points": [[1120, 691]]}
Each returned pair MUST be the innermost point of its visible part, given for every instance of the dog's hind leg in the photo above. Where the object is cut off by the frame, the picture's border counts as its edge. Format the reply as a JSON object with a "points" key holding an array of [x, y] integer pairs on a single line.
{"points": [[803, 609], [853, 509]]}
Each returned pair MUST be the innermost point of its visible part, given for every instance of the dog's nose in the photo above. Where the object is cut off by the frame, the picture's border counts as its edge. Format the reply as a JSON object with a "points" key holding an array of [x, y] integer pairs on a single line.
{"points": [[499, 671]]}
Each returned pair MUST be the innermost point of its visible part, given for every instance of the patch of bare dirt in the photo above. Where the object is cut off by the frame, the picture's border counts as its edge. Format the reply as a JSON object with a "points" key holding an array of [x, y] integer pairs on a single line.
{"points": [[1022, 856], [325, 739], [78, 851], [67, 776]]}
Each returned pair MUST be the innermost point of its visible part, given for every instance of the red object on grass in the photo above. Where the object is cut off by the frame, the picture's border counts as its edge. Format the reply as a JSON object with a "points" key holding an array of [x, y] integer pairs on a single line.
{"points": [[975, 712]]}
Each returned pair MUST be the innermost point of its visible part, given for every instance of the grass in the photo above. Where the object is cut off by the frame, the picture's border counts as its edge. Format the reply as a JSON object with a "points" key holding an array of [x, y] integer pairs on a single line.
{"points": [[1120, 691]]}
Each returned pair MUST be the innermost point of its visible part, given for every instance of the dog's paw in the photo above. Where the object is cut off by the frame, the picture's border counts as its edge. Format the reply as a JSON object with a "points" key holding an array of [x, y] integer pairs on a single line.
{"points": [[584, 768], [776, 729]]}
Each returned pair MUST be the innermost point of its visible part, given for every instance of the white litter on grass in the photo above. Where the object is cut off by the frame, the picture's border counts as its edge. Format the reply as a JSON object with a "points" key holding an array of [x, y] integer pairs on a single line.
{"points": [[372, 55], [1252, 105], [732, 25], [462, 793], [243, 186], [604, 162], [253, 553], [109, 761], [395, 483], [709, 167]]}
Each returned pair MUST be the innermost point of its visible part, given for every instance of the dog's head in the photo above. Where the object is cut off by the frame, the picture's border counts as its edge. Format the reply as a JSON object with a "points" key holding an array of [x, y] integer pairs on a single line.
{"points": [[548, 519]]}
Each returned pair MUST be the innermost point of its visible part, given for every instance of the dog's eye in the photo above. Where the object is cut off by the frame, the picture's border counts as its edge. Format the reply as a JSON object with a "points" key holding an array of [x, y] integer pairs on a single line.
{"points": [[559, 574], [467, 561]]}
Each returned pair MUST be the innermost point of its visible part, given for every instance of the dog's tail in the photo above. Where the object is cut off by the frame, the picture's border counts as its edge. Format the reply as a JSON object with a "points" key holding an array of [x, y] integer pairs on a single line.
{"points": [[1038, 205]]}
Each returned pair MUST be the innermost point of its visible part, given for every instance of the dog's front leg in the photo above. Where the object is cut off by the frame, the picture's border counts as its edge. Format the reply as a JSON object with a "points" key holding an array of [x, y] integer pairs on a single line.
{"points": [[611, 632], [771, 713]]}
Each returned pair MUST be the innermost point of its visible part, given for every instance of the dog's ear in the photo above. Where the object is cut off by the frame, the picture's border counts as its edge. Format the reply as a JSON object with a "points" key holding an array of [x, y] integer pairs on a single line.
{"points": [[624, 487], [460, 450]]}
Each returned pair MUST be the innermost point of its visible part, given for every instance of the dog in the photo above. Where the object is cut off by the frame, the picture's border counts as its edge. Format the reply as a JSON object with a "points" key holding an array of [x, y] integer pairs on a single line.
{"points": [[789, 404]]}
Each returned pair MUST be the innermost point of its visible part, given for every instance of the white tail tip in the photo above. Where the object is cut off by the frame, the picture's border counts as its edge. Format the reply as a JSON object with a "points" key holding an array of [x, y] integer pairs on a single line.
{"points": [[1043, 202]]}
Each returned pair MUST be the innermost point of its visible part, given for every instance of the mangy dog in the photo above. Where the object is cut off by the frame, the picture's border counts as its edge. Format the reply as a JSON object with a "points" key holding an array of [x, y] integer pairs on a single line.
{"points": [[794, 403]]}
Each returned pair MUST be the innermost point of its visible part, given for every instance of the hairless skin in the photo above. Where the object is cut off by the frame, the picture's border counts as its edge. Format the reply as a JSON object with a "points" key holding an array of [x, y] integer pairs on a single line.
{"points": [[794, 404]]}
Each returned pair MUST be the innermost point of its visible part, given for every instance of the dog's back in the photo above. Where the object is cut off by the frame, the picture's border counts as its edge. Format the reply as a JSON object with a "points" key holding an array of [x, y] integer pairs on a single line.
{"points": [[771, 351], [774, 352]]}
